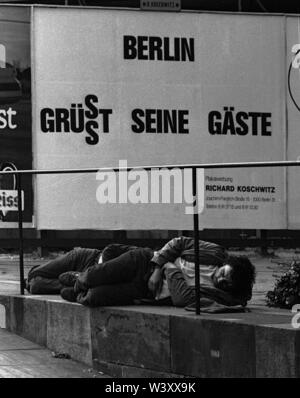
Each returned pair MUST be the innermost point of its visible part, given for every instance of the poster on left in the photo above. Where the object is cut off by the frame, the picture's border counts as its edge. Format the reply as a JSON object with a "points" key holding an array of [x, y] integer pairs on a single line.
{"points": [[15, 113]]}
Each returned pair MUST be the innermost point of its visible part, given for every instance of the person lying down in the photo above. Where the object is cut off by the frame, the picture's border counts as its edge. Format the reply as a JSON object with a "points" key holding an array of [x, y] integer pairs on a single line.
{"points": [[124, 275]]}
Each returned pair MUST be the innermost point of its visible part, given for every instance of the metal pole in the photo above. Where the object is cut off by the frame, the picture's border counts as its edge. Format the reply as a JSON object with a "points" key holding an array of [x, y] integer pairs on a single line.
{"points": [[20, 219], [149, 168], [196, 241]]}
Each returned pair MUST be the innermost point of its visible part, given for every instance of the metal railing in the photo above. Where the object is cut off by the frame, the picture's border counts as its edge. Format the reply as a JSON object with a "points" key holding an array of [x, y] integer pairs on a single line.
{"points": [[194, 167]]}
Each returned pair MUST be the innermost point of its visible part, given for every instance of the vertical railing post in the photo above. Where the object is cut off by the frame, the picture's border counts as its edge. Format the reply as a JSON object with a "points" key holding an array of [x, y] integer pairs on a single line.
{"points": [[196, 241], [20, 220]]}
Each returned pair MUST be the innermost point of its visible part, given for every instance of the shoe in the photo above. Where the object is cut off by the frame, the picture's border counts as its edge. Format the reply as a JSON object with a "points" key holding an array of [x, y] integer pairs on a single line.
{"points": [[67, 293], [79, 287], [68, 278]]}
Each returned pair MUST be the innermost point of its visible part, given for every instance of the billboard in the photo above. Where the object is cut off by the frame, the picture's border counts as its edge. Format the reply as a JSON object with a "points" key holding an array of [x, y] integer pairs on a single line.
{"points": [[15, 113], [117, 87], [293, 108]]}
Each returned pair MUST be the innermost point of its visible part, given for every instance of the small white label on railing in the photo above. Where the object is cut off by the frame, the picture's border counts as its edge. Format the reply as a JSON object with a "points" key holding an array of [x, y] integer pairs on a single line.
{"points": [[9, 200]]}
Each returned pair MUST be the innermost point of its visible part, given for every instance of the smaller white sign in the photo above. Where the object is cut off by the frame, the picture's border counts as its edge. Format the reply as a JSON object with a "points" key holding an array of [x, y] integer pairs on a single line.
{"points": [[9, 200], [160, 5]]}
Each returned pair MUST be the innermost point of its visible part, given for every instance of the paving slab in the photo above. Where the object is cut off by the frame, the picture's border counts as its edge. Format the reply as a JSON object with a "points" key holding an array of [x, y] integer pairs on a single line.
{"points": [[20, 358]]}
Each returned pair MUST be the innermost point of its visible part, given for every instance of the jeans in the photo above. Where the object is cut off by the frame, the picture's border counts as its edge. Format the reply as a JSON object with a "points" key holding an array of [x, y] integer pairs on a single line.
{"points": [[117, 281]]}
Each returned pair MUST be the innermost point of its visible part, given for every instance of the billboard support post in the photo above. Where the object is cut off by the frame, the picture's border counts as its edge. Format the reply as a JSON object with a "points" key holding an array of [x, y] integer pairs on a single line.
{"points": [[196, 241], [20, 222]]}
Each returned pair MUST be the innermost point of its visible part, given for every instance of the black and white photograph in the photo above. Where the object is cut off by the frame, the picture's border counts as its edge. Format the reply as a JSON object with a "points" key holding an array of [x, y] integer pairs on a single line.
{"points": [[150, 192]]}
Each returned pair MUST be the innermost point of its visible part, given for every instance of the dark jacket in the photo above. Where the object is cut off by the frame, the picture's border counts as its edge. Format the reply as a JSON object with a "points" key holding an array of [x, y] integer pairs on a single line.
{"points": [[209, 253]]}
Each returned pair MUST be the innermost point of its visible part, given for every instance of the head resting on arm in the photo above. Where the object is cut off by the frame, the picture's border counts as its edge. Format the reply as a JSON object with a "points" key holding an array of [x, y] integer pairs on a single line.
{"points": [[236, 276]]}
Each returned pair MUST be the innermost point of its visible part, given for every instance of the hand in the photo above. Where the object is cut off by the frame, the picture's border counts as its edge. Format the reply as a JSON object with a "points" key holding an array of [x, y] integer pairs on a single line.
{"points": [[169, 266], [155, 281]]}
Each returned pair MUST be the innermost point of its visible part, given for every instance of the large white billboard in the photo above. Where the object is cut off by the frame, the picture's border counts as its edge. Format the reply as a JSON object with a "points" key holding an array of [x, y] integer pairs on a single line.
{"points": [[116, 87]]}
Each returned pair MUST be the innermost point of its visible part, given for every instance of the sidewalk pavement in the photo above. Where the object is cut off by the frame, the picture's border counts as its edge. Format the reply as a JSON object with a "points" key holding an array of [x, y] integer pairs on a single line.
{"points": [[20, 358]]}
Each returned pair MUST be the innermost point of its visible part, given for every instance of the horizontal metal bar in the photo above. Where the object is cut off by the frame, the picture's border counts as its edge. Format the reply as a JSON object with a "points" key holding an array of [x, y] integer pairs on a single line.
{"points": [[165, 166]]}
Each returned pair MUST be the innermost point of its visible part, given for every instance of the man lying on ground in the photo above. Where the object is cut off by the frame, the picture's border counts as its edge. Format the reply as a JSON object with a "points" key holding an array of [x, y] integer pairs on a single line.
{"points": [[226, 282], [44, 278], [125, 274]]}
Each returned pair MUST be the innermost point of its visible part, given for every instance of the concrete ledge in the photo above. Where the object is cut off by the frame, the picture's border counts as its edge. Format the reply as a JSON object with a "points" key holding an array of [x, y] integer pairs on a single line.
{"points": [[69, 330], [141, 341], [131, 338]]}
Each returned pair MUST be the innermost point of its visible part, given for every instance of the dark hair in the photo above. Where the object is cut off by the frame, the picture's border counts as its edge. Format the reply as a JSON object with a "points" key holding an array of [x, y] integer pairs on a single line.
{"points": [[243, 276]]}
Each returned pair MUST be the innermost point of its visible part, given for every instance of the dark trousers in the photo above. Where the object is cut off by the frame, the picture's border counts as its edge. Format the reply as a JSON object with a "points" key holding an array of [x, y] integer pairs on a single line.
{"points": [[43, 279], [114, 250], [117, 281]]}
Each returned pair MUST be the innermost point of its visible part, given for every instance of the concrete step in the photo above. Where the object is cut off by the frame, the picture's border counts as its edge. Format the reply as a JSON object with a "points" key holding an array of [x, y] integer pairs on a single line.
{"points": [[145, 341]]}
